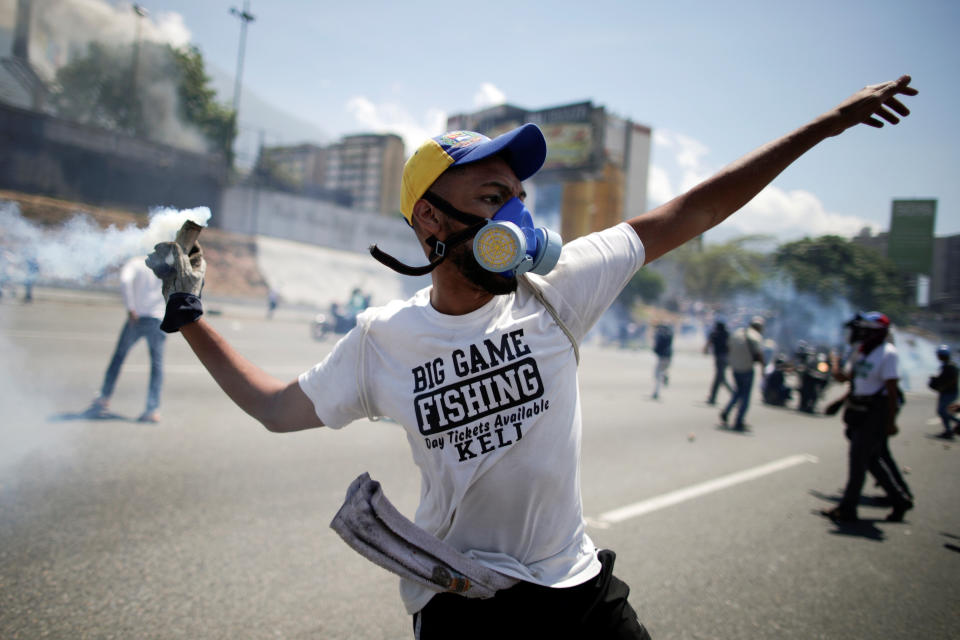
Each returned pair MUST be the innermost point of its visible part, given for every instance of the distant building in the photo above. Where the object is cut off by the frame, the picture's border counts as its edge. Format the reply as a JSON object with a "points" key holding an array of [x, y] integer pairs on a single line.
{"points": [[296, 166], [944, 287], [945, 282], [369, 167], [361, 171], [595, 174], [20, 85]]}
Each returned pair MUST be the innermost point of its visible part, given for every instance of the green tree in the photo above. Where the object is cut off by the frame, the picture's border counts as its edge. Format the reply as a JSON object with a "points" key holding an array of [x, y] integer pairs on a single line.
{"points": [[646, 285], [198, 102], [98, 89], [122, 88], [719, 271], [831, 266]]}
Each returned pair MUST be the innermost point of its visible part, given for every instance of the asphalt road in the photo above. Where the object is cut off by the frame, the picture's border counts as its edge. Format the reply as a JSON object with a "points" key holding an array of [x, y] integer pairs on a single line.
{"points": [[207, 526]]}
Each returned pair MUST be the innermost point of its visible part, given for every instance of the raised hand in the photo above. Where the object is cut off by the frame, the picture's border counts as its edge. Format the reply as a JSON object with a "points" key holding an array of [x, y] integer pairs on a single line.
{"points": [[872, 105]]}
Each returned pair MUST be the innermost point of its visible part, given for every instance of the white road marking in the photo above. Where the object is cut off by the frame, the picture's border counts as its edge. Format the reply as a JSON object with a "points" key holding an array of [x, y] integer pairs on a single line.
{"points": [[198, 369], [61, 335], [644, 507]]}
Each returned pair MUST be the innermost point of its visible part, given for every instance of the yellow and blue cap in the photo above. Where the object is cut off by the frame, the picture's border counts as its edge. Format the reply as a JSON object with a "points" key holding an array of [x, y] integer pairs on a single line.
{"points": [[524, 149]]}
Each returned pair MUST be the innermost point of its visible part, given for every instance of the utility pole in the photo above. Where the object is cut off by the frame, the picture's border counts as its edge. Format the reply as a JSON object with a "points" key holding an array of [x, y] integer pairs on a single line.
{"points": [[135, 70], [245, 18]]}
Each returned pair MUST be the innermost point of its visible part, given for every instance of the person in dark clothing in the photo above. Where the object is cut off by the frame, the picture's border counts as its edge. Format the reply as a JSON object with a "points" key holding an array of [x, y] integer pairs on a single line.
{"points": [[870, 416], [775, 389], [717, 343], [663, 347], [945, 384]]}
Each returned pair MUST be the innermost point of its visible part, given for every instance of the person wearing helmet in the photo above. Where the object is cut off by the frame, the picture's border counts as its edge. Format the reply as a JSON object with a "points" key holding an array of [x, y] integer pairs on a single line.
{"points": [[945, 384], [870, 415]]}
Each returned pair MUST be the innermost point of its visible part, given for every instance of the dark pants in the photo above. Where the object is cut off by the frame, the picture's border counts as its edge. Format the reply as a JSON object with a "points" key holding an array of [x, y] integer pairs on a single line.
{"points": [[148, 328], [743, 380], [868, 440], [597, 609], [893, 469], [719, 377], [949, 421]]}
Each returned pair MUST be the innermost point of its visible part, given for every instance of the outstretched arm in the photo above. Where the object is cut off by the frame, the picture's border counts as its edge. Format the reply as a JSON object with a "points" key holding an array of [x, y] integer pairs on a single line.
{"points": [[280, 406], [713, 200]]}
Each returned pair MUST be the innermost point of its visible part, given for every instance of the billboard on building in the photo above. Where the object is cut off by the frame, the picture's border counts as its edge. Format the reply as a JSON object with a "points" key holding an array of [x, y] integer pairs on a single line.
{"points": [[910, 243], [572, 137]]}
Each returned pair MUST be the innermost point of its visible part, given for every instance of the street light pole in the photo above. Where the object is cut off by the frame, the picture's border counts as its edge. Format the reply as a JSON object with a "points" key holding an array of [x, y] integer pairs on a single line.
{"points": [[245, 18], [135, 67]]}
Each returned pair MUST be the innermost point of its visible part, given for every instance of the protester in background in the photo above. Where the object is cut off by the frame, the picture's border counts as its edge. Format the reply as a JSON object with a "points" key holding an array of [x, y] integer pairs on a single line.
{"points": [[745, 350], [145, 306], [717, 342], [774, 388], [870, 416], [663, 348], [273, 298], [30, 278], [945, 384]]}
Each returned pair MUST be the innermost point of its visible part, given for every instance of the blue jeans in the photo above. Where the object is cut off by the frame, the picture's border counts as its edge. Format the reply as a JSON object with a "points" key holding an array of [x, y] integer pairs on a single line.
{"points": [[743, 385], [944, 401], [148, 328]]}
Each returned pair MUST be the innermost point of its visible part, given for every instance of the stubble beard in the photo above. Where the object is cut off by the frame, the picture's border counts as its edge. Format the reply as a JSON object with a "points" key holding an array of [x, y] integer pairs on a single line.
{"points": [[491, 282]]}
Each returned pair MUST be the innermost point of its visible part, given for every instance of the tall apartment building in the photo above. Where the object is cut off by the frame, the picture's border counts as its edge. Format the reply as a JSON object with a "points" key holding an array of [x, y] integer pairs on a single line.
{"points": [[595, 174], [361, 170], [369, 167], [299, 166]]}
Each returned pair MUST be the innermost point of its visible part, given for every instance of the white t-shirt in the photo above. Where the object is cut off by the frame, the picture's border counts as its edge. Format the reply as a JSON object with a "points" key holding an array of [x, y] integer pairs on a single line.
{"points": [[870, 373], [491, 406], [142, 290]]}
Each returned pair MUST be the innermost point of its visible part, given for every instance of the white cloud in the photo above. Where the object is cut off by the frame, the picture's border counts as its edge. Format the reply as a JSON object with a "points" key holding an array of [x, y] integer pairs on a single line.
{"points": [[681, 163], [488, 96], [388, 117], [393, 118]]}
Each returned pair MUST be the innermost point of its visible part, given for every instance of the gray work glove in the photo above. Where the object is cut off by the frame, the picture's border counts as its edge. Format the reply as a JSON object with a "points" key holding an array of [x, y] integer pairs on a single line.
{"points": [[180, 273]]}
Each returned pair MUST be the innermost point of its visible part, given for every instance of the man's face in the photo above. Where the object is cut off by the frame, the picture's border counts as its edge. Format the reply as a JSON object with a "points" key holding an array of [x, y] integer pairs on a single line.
{"points": [[480, 188]]}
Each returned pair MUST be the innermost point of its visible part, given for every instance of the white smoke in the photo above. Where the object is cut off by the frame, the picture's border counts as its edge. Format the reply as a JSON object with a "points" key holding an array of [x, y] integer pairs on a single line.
{"points": [[79, 249], [63, 28]]}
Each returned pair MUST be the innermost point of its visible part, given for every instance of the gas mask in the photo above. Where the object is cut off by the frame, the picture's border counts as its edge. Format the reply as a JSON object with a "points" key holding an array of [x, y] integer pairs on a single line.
{"points": [[507, 243]]}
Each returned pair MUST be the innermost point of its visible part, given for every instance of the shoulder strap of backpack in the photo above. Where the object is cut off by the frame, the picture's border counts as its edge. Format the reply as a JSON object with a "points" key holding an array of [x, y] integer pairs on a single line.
{"points": [[538, 294]]}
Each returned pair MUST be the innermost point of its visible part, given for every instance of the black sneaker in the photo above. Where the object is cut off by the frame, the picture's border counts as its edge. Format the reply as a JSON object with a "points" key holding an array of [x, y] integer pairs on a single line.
{"points": [[839, 515], [897, 514]]}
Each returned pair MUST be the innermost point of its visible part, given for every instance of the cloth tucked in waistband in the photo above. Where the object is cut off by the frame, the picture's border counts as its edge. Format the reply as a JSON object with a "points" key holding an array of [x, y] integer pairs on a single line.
{"points": [[373, 527]]}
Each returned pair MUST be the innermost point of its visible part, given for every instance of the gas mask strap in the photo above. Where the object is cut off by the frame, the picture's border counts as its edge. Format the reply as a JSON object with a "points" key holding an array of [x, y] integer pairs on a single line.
{"points": [[388, 260], [462, 217], [438, 252]]}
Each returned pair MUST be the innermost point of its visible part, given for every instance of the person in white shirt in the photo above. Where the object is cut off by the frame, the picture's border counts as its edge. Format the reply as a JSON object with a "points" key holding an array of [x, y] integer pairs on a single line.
{"points": [[870, 417], [144, 302], [480, 369]]}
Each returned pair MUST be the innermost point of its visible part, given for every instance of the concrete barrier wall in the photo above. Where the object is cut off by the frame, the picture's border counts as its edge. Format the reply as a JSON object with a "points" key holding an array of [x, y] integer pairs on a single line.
{"points": [[46, 155], [275, 214]]}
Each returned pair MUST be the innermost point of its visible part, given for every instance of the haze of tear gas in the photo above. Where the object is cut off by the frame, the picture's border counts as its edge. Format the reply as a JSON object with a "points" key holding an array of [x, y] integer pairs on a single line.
{"points": [[61, 31], [79, 249], [793, 316]]}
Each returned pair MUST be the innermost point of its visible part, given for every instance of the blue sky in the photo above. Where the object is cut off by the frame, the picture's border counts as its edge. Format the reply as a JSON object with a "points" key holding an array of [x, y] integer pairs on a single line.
{"points": [[713, 80]]}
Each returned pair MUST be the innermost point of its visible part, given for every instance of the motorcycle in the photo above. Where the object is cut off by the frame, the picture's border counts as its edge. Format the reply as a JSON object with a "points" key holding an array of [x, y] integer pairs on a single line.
{"points": [[814, 378], [339, 321]]}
